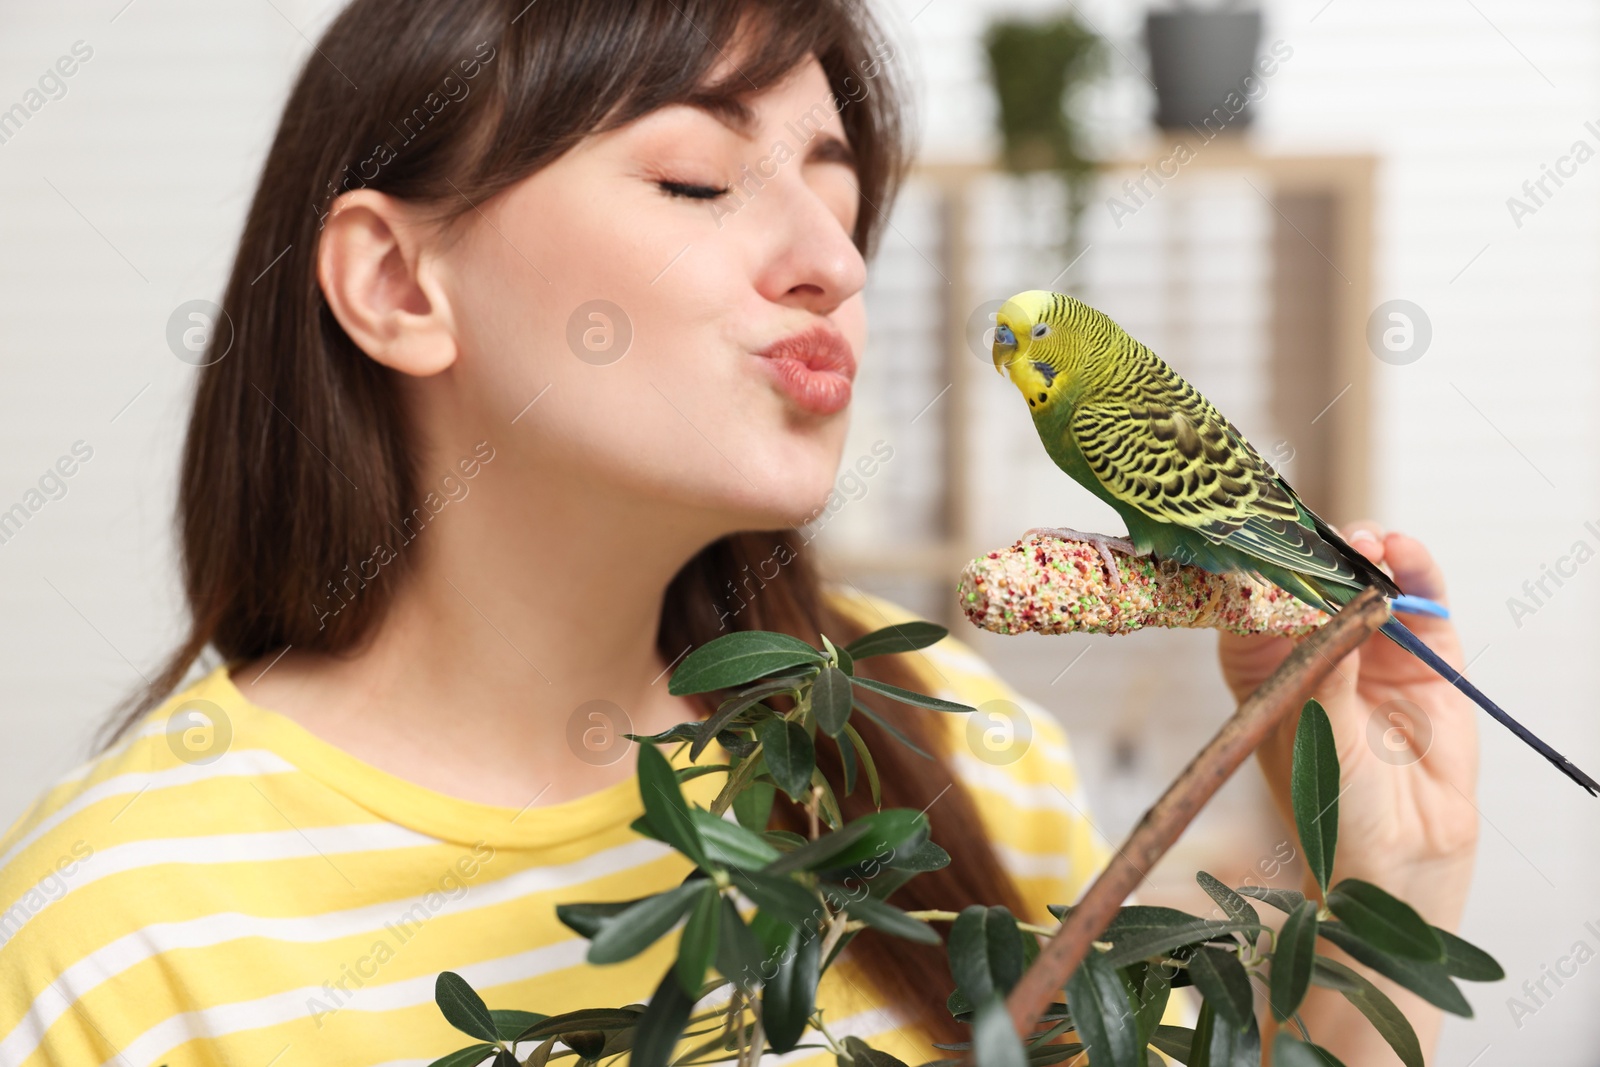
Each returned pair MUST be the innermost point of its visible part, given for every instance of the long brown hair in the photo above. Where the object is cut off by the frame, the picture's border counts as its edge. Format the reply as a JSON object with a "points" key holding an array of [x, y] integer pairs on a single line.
{"points": [[448, 102]]}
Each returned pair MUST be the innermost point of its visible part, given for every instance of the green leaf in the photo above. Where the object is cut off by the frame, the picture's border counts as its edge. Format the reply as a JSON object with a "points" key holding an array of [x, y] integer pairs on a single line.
{"points": [[1285, 900], [1234, 1048], [1205, 1026], [1380, 1011], [737, 658], [867, 764], [847, 761], [1127, 947], [605, 1019], [1149, 988], [1216, 1045], [697, 946], [958, 1004], [588, 1044], [1430, 981], [830, 700], [1290, 1051], [1314, 789], [901, 637], [664, 807], [586, 919], [1463, 959], [864, 1055], [1102, 1015], [891, 920], [880, 836], [541, 1055], [891, 729], [662, 1023], [470, 1056], [985, 949], [731, 709], [1175, 1041], [1223, 982], [730, 844], [753, 805], [1384, 922], [463, 1008], [738, 950], [906, 696], [510, 1022], [1137, 919], [925, 857], [1291, 963], [630, 932], [789, 754], [789, 996], [994, 1040], [1232, 904], [783, 897], [828, 804]]}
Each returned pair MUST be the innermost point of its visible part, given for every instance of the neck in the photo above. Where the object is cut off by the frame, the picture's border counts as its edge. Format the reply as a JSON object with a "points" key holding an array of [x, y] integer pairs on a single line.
{"points": [[518, 608]]}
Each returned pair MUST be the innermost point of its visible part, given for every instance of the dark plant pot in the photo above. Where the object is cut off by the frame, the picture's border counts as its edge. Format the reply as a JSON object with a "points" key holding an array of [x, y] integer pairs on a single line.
{"points": [[1197, 58]]}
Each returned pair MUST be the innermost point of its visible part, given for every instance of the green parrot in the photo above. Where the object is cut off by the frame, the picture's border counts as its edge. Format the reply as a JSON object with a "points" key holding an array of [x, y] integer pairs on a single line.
{"points": [[1128, 428]]}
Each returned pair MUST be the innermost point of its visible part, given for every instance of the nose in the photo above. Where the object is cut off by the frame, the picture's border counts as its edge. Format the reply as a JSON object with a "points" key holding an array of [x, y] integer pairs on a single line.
{"points": [[810, 261]]}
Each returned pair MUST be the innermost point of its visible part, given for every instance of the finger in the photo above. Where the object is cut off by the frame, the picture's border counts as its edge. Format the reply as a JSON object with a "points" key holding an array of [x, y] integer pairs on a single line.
{"points": [[1366, 537], [1415, 570]]}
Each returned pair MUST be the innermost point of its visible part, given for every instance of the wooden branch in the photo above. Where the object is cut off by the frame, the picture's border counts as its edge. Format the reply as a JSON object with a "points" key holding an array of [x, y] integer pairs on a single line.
{"points": [[1281, 694]]}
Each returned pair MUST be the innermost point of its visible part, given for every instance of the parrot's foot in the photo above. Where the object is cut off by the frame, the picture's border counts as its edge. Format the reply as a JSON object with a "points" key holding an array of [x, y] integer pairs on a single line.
{"points": [[1103, 542]]}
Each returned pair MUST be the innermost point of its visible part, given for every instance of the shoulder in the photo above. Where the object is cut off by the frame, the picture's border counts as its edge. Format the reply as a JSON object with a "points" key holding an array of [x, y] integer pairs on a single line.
{"points": [[102, 851], [1012, 755]]}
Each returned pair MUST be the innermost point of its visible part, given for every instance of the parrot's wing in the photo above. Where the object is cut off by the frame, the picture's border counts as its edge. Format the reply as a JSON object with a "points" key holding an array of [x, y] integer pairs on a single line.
{"points": [[1164, 451]]}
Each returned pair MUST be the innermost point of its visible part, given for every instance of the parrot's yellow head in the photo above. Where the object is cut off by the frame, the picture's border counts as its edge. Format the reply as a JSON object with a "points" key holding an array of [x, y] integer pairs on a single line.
{"points": [[1031, 347], [1056, 348]]}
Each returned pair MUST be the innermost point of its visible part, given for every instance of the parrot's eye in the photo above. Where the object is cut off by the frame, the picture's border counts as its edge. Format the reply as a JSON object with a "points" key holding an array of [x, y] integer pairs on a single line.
{"points": [[1004, 336], [1041, 330]]}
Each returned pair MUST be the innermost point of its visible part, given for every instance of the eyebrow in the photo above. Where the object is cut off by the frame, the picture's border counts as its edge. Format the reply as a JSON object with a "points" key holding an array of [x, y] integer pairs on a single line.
{"points": [[740, 118]]}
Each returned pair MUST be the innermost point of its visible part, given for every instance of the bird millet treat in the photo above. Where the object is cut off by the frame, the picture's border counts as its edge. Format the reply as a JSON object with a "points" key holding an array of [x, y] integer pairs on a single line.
{"points": [[1051, 586]]}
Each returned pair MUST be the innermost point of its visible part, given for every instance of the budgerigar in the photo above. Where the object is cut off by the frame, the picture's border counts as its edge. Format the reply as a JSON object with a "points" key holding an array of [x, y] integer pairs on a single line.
{"points": [[1125, 425]]}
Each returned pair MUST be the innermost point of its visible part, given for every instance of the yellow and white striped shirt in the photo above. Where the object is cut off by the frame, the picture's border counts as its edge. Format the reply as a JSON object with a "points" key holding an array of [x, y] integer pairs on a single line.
{"points": [[285, 904]]}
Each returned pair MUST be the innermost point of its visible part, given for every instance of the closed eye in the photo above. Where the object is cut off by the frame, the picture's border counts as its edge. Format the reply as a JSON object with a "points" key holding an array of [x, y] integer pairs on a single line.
{"points": [[1041, 329], [692, 191]]}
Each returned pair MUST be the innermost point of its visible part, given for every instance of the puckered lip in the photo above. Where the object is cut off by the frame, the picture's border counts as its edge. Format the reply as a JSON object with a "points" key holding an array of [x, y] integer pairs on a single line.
{"points": [[820, 347]]}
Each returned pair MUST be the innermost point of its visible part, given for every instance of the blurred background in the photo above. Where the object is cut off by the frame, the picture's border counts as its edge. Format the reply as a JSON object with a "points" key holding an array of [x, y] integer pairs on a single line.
{"points": [[1369, 232]]}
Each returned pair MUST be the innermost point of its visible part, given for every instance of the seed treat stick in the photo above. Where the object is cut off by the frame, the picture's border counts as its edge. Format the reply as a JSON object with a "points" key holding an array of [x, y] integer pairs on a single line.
{"points": [[1051, 586]]}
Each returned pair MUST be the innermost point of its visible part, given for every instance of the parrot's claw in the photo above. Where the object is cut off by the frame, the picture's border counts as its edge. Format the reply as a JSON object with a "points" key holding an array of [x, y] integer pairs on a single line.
{"points": [[1103, 542]]}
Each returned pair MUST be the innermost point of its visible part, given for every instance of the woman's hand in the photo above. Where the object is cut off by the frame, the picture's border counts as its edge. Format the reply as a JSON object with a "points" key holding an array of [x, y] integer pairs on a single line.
{"points": [[1408, 758]]}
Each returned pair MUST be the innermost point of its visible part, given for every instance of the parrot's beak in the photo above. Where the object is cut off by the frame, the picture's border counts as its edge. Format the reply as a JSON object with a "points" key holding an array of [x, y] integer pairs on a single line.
{"points": [[1005, 347]]}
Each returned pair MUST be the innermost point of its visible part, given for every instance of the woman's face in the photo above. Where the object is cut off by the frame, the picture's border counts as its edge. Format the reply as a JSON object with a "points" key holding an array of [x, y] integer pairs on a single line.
{"points": [[639, 277]]}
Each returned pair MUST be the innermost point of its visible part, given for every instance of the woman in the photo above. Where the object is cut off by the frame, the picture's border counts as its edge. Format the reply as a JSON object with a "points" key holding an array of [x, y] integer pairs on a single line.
{"points": [[540, 310]]}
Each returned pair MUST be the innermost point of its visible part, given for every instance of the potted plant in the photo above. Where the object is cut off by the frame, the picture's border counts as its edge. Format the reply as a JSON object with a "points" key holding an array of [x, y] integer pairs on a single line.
{"points": [[812, 895], [1036, 68], [1198, 56]]}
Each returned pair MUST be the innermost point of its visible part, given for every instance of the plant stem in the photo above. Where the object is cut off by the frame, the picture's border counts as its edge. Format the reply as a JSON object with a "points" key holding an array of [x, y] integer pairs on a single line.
{"points": [[1280, 695]]}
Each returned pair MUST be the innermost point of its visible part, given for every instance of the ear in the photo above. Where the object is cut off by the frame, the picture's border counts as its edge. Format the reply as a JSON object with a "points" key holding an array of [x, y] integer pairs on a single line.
{"points": [[375, 270]]}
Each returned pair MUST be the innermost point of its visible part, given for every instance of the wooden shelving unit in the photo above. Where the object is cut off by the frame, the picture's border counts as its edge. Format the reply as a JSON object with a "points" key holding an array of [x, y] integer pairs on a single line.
{"points": [[1321, 297]]}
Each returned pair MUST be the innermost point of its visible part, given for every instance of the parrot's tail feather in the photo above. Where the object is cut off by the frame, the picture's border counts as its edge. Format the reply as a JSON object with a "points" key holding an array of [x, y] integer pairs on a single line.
{"points": [[1396, 632]]}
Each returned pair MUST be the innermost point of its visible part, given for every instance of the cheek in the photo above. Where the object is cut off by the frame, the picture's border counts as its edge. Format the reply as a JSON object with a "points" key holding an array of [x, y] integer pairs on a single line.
{"points": [[642, 343]]}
